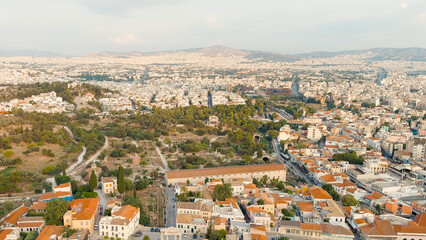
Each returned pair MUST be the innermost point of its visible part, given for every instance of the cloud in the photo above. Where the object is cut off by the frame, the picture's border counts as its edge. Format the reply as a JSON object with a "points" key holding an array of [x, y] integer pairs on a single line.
{"points": [[125, 39]]}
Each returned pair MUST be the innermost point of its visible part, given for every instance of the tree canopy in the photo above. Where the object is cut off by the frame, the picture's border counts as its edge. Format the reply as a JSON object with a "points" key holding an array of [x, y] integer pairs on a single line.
{"points": [[221, 192]]}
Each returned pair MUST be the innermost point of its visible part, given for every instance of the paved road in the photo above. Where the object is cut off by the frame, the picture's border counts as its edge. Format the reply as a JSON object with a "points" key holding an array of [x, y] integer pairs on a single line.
{"points": [[170, 208], [75, 170], [289, 165], [282, 113], [163, 159]]}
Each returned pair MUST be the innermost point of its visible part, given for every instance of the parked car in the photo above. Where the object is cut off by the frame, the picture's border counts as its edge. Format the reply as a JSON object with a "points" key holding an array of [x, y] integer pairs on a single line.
{"points": [[152, 229], [96, 227]]}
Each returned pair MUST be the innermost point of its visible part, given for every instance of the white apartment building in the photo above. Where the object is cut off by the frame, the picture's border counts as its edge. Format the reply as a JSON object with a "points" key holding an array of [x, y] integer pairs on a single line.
{"points": [[314, 133], [122, 223], [377, 166]]}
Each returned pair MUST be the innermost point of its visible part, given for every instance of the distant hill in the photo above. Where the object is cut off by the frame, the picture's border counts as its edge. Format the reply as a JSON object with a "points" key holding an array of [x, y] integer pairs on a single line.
{"points": [[28, 53], [212, 51], [408, 54]]}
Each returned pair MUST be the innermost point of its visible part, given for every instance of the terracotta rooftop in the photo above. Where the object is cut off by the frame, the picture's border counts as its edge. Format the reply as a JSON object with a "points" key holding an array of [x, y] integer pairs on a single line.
{"points": [[224, 170], [53, 195], [15, 215], [127, 211], [378, 228], [38, 206], [319, 193], [50, 230], [4, 233]]}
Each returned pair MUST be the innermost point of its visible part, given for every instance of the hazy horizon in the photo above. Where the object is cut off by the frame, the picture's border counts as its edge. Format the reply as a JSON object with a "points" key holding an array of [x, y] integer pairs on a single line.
{"points": [[81, 27]]}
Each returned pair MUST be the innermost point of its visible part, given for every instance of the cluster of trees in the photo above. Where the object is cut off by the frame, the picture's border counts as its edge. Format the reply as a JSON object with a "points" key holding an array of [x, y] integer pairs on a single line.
{"points": [[187, 162], [215, 234], [349, 200], [136, 202], [9, 182], [6, 207], [42, 129], [329, 188], [55, 211], [194, 146], [9, 161], [350, 157], [92, 139], [221, 192]]}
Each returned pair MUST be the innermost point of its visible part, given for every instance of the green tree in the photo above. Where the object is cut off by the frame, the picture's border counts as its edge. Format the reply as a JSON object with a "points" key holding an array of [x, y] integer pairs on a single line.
{"points": [[221, 192], [146, 237], [120, 180], [93, 182], [218, 235], [379, 209], [349, 200], [55, 211], [31, 235], [154, 174]]}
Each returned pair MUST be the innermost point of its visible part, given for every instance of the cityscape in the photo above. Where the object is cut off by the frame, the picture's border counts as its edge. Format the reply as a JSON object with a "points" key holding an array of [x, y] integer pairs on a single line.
{"points": [[213, 142]]}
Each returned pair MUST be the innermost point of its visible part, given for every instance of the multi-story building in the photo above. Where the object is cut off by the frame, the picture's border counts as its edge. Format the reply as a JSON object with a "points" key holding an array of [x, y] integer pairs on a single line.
{"points": [[277, 171], [314, 133], [109, 185], [377, 166], [122, 223], [82, 214]]}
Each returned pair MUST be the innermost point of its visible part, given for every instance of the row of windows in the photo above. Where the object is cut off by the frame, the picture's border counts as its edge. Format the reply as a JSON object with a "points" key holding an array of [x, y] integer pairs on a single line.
{"points": [[116, 235], [112, 227]]}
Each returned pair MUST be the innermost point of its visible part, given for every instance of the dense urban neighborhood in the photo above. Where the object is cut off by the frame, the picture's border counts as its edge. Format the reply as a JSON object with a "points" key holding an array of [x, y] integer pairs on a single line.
{"points": [[211, 144]]}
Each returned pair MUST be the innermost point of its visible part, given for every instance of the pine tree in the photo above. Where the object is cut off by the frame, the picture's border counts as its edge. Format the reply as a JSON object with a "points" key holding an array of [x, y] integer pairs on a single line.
{"points": [[120, 180], [93, 182]]}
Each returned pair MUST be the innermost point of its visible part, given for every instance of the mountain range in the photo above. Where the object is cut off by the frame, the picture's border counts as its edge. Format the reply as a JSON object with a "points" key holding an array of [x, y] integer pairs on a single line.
{"points": [[408, 54]]}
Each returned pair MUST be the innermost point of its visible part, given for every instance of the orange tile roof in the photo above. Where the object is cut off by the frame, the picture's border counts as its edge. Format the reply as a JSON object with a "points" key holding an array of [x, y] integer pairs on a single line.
{"points": [[319, 193], [15, 215], [409, 229], [84, 209], [421, 220], [127, 211], [50, 230], [258, 237], [360, 221], [377, 195], [4, 233], [254, 209], [310, 227], [85, 204], [328, 178], [53, 195], [224, 170], [378, 228], [38, 206], [250, 186], [63, 185]]}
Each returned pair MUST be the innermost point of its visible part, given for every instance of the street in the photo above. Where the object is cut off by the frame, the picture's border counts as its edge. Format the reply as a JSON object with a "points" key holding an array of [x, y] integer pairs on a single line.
{"points": [[170, 209], [289, 165]]}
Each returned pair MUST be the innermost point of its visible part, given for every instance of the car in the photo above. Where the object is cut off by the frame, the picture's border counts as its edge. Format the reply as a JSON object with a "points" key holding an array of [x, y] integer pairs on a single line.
{"points": [[185, 235], [96, 227], [152, 229], [157, 230], [101, 213]]}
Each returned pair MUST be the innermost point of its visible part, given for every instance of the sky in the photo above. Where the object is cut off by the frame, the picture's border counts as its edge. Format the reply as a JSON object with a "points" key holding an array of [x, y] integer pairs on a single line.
{"points": [[79, 27]]}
